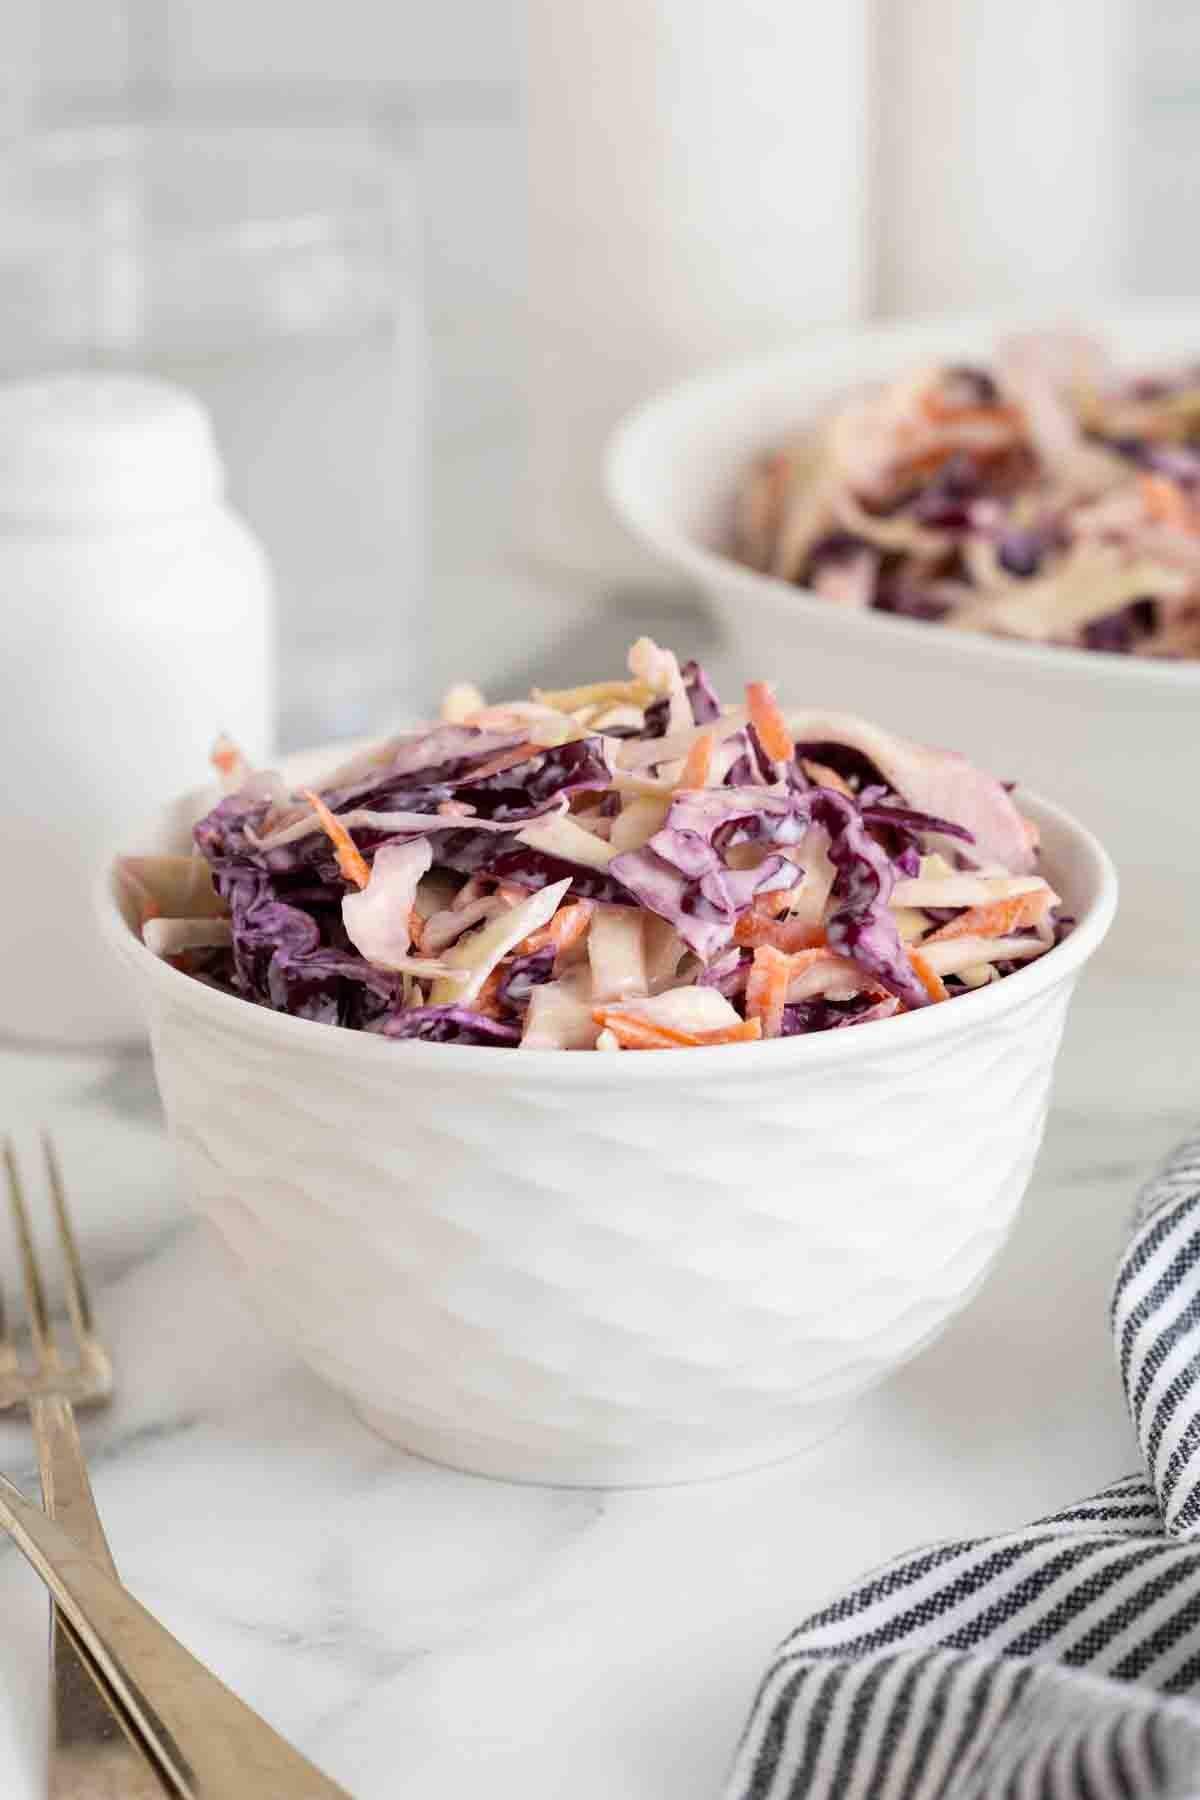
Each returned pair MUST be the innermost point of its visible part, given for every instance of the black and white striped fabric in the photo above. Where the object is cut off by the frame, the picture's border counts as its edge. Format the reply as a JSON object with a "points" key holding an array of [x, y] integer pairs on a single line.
{"points": [[1058, 1662]]}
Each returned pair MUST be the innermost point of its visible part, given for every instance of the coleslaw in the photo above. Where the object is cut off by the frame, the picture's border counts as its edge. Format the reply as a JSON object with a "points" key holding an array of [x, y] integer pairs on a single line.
{"points": [[1049, 498], [627, 865]]}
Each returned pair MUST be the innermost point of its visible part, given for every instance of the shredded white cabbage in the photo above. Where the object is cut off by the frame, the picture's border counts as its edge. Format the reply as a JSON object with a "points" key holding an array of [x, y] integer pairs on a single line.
{"points": [[637, 823], [475, 957], [617, 953], [442, 928], [175, 887], [829, 978], [965, 890], [645, 753], [1093, 581], [559, 1016], [462, 702], [951, 955], [378, 917], [171, 937], [807, 901], [565, 837], [688, 1009]]}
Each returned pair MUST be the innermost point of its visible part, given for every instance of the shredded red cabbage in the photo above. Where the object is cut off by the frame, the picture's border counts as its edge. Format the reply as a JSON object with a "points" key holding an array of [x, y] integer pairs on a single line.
{"points": [[449, 1025], [724, 854]]}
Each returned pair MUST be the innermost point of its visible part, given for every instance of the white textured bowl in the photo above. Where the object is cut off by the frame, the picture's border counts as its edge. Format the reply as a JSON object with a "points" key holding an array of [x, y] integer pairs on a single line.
{"points": [[1116, 739], [612, 1269]]}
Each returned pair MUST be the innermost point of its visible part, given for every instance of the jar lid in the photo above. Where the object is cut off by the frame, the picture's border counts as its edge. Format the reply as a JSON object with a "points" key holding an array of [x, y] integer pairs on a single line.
{"points": [[91, 449]]}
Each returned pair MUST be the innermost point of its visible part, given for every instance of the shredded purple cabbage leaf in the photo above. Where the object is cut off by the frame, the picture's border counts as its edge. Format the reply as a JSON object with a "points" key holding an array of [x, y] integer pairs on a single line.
{"points": [[700, 692], [861, 924], [290, 950], [448, 1025]]}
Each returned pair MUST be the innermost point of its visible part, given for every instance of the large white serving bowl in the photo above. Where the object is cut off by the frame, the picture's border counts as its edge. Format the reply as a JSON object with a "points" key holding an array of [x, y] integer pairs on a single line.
{"points": [[1117, 739], [610, 1269]]}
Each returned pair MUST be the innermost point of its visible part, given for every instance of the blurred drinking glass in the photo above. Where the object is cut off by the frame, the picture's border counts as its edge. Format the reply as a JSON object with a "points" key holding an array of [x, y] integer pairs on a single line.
{"points": [[271, 264]]}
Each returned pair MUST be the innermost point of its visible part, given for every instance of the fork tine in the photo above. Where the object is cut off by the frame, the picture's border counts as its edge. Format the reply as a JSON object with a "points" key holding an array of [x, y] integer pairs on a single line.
{"points": [[79, 1306], [35, 1294]]}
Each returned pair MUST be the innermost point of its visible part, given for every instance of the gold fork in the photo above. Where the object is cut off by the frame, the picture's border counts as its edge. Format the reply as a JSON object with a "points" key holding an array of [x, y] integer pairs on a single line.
{"points": [[205, 1743], [92, 1749]]}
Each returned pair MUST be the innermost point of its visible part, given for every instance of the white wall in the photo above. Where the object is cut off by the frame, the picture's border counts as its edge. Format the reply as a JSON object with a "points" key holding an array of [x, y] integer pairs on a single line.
{"points": [[425, 44], [1164, 247], [461, 59], [417, 42], [455, 64], [80, 42]]}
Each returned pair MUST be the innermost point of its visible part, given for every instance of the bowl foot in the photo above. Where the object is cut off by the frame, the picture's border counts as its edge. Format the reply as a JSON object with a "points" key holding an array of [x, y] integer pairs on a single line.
{"points": [[595, 1466]]}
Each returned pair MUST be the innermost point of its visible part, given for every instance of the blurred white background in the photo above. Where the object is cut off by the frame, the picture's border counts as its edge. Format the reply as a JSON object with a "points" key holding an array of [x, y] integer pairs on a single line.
{"points": [[1044, 150], [450, 75], [461, 66]]}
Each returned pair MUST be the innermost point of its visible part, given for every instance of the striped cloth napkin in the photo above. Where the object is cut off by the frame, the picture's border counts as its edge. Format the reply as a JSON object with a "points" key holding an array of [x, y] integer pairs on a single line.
{"points": [[1058, 1662]]}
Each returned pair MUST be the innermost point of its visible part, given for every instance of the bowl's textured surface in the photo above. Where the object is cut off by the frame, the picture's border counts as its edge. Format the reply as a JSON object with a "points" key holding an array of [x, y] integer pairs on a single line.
{"points": [[615, 1269], [609, 1285]]}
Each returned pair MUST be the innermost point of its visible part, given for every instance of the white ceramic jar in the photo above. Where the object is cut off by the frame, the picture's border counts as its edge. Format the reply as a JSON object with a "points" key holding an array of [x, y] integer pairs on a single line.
{"points": [[684, 204], [135, 624]]}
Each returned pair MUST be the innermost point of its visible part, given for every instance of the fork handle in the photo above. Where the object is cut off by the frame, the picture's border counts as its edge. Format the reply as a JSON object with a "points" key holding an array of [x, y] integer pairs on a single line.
{"points": [[91, 1750], [207, 1741], [66, 1487]]}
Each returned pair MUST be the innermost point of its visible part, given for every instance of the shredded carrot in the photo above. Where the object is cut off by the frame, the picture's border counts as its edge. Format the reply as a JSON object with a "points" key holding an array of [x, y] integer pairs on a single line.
{"points": [[929, 978], [226, 758], [769, 722], [773, 970], [507, 759], [350, 859], [487, 999], [924, 464], [697, 762], [631, 1033], [767, 986], [771, 905], [997, 918], [416, 927], [1166, 503], [927, 463], [789, 935], [941, 411], [746, 1031], [634, 1033], [563, 930]]}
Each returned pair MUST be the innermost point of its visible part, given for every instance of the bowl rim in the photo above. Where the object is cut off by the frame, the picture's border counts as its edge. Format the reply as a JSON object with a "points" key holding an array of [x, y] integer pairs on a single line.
{"points": [[639, 435], [968, 1012]]}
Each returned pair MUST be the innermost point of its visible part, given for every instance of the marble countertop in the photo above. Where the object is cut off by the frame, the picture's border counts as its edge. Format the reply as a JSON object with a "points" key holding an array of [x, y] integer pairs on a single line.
{"points": [[426, 1632]]}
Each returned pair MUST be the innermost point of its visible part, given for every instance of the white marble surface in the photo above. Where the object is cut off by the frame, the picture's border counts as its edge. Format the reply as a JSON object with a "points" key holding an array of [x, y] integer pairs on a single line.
{"points": [[424, 1632]]}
